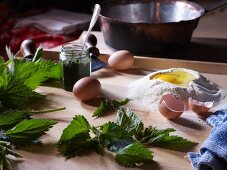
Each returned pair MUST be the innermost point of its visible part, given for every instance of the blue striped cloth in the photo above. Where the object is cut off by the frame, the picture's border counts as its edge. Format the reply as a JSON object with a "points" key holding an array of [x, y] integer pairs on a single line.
{"points": [[213, 153]]}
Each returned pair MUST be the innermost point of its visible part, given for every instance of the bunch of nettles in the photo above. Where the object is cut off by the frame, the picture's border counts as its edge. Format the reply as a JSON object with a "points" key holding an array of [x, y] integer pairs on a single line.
{"points": [[126, 137], [19, 78], [18, 81]]}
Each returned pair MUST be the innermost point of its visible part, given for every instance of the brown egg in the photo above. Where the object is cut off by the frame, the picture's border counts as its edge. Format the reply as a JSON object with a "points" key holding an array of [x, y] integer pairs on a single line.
{"points": [[200, 108], [87, 88], [121, 60], [171, 107]]}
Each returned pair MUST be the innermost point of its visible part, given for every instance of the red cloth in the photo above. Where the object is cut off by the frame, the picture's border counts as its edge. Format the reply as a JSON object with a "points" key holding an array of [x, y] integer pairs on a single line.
{"points": [[13, 37]]}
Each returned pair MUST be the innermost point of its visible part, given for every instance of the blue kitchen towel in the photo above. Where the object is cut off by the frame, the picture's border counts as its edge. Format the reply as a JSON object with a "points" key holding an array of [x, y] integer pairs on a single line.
{"points": [[213, 153]]}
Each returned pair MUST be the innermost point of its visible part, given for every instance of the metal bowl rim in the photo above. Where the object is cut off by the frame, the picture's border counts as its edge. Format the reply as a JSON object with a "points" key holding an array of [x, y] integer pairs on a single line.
{"points": [[108, 3]]}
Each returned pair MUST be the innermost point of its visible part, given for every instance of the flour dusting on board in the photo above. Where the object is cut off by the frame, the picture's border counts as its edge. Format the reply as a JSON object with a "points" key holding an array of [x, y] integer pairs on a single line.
{"points": [[182, 83]]}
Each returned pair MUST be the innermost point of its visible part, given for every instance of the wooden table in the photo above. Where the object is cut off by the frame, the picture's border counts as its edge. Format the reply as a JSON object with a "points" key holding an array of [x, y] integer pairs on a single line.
{"points": [[114, 85]]}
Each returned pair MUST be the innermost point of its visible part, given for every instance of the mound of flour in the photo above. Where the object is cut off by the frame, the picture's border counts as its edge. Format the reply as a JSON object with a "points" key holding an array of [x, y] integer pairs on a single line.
{"points": [[149, 92]]}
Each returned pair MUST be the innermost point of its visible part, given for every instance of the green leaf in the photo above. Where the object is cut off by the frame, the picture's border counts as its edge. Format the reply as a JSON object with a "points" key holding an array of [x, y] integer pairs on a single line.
{"points": [[75, 139], [133, 154], [78, 145], [173, 142], [3, 66], [102, 109], [162, 138], [35, 73], [127, 119], [13, 92], [31, 74], [10, 118], [78, 125], [117, 104], [17, 85], [108, 105], [113, 137], [27, 131], [18, 79], [53, 69]]}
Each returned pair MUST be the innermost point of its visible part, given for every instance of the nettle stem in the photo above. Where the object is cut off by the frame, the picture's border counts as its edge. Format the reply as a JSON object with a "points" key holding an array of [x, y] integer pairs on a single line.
{"points": [[47, 111]]}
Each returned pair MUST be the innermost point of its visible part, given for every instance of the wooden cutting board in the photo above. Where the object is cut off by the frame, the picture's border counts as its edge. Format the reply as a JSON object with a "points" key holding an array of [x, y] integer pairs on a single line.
{"points": [[115, 85]]}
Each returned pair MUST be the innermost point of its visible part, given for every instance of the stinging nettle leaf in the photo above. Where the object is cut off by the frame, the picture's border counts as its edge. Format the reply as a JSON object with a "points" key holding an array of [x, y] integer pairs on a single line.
{"points": [[25, 132], [113, 137], [125, 137], [18, 79], [30, 73], [127, 119], [117, 104], [13, 92], [102, 109], [53, 69], [108, 105], [11, 117], [35, 73], [172, 142], [3, 67], [162, 138], [133, 154], [78, 125], [75, 139], [28, 126], [78, 145]]}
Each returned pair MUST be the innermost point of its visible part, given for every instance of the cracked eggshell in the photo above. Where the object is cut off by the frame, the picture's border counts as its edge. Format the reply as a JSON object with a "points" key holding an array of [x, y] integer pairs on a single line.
{"points": [[171, 107], [200, 108]]}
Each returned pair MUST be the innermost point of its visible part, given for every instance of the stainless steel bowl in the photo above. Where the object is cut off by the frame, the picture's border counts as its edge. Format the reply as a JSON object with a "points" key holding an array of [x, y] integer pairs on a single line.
{"points": [[150, 26]]}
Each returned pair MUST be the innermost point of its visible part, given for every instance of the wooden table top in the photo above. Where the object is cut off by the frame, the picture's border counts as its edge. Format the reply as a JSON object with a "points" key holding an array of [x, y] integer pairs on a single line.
{"points": [[115, 85]]}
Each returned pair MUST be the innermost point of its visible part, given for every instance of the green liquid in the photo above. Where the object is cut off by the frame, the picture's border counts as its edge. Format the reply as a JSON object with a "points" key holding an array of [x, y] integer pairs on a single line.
{"points": [[72, 72]]}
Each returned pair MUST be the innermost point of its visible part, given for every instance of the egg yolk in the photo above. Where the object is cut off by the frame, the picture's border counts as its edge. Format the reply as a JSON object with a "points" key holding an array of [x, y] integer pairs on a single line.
{"points": [[177, 77]]}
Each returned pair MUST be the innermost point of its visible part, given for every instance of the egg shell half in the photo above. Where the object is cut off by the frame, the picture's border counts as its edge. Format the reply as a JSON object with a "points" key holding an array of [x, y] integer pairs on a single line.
{"points": [[200, 108], [121, 60], [171, 107], [87, 88]]}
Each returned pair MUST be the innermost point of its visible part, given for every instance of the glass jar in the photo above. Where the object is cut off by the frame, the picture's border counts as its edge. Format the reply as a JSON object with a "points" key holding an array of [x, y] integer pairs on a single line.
{"points": [[75, 64]]}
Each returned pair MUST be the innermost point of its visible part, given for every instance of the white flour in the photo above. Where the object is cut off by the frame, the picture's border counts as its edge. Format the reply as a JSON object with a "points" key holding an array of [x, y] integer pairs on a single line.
{"points": [[149, 92]]}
